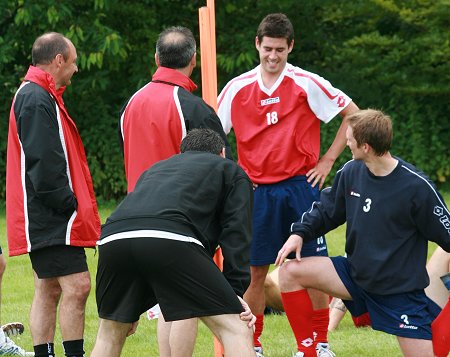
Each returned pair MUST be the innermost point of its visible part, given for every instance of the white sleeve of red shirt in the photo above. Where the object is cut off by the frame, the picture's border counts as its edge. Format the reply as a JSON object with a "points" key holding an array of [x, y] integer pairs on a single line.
{"points": [[324, 100], [225, 98]]}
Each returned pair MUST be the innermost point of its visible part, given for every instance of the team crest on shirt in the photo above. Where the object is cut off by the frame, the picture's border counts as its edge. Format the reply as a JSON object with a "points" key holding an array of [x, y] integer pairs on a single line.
{"points": [[269, 101], [341, 101]]}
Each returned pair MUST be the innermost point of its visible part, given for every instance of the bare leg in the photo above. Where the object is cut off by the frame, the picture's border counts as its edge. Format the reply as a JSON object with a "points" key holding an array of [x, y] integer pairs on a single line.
{"points": [[337, 313], [75, 291], [2, 270], [254, 295], [182, 337], [110, 338], [438, 265], [319, 299], [272, 292], [312, 272], [412, 347], [43, 310], [163, 333], [235, 335], [177, 338]]}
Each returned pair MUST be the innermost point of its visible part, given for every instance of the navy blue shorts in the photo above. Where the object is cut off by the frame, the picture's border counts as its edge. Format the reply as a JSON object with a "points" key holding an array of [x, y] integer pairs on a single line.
{"points": [[406, 315], [276, 207]]}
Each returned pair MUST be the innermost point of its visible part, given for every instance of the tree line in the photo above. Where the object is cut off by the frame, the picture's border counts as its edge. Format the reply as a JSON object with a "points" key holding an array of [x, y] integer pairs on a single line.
{"points": [[392, 55]]}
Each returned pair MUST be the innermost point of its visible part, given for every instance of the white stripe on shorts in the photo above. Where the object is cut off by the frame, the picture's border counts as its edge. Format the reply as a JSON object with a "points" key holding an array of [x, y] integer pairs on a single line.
{"points": [[149, 233]]}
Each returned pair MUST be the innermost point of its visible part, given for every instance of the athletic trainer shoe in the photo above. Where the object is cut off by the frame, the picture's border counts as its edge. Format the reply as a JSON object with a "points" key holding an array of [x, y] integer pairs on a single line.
{"points": [[13, 329], [258, 351], [9, 348], [298, 354], [323, 350]]}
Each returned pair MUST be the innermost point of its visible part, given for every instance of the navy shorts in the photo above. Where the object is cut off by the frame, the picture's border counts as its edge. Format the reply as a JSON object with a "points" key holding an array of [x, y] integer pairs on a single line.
{"points": [[405, 315], [276, 207]]}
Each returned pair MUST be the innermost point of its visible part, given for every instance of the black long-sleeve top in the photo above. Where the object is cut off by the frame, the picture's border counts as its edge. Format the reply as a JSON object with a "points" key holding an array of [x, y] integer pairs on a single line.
{"points": [[199, 195]]}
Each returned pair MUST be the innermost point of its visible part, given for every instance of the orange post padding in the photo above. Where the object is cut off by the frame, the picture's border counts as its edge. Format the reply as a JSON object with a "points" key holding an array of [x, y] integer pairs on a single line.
{"points": [[207, 24]]}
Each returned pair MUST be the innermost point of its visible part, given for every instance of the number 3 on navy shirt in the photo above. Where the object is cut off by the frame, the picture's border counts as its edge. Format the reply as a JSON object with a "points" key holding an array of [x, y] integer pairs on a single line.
{"points": [[366, 207]]}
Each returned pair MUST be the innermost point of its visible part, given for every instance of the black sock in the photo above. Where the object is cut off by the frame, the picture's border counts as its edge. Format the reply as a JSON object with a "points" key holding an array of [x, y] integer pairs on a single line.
{"points": [[74, 348], [44, 350]]}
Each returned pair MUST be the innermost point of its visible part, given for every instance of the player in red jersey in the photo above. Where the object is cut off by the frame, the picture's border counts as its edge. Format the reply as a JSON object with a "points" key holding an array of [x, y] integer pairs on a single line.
{"points": [[276, 110]]}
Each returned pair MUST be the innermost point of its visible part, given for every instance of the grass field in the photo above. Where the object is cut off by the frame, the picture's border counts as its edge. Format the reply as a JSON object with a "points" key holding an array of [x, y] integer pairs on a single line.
{"points": [[278, 340]]}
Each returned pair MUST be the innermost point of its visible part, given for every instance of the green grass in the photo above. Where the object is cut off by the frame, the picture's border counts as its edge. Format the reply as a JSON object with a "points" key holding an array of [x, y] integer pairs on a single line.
{"points": [[278, 339]]}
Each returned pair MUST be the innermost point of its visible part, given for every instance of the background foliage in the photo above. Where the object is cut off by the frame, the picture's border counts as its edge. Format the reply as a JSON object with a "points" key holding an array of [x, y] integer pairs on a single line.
{"points": [[387, 54]]}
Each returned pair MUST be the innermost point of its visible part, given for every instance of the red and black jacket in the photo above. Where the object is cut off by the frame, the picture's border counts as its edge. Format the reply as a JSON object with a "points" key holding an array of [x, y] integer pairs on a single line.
{"points": [[49, 194]]}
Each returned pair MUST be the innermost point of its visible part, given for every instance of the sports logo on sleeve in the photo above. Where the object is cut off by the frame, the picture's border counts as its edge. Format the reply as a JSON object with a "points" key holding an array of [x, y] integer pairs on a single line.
{"points": [[443, 217]]}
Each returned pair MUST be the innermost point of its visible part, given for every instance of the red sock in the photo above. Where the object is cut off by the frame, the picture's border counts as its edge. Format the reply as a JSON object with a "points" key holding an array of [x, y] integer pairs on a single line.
{"points": [[320, 321], [259, 325], [299, 311], [362, 320], [441, 332]]}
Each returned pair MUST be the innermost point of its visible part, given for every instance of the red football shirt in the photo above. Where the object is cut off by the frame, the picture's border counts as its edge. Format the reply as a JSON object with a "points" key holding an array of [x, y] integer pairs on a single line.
{"points": [[278, 129]]}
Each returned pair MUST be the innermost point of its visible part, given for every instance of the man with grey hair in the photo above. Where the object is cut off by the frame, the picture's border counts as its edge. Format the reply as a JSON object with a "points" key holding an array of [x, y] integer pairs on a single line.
{"points": [[158, 116], [50, 203], [153, 123]]}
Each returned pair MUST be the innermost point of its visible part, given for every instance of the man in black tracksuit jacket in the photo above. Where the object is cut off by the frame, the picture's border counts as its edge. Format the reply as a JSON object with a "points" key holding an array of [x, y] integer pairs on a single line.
{"points": [[157, 247]]}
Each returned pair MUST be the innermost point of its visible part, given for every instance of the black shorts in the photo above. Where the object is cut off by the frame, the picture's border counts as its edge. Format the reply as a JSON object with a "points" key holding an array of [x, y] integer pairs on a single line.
{"points": [[58, 260], [136, 273]]}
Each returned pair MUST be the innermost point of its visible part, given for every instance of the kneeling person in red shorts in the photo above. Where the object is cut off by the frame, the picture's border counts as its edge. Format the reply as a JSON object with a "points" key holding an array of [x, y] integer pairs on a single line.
{"points": [[157, 247]]}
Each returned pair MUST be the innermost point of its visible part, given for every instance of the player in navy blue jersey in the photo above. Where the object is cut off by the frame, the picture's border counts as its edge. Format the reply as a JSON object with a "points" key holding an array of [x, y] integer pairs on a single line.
{"points": [[392, 210]]}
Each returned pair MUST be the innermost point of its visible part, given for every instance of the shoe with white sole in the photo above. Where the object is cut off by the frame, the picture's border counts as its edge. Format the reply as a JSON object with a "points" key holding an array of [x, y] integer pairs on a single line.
{"points": [[298, 354], [323, 350], [9, 348], [259, 351]]}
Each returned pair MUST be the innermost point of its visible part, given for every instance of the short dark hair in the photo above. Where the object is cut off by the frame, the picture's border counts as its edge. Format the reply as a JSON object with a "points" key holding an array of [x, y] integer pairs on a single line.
{"points": [[202, 140], [47, 46], [175, 47], [277, 26], [372, 127]]}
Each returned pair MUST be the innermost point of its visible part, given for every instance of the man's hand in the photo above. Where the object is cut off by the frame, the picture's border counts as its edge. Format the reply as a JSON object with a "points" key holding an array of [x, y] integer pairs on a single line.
{"points": [[247, 314], [293, 244], [319, 173]]}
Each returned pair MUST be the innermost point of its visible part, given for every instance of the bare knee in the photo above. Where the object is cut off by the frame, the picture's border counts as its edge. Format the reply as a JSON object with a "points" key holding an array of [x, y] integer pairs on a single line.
{"points": [[47, 290], [82, 291], [228, 328], [76, 287], [290, 276]]}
